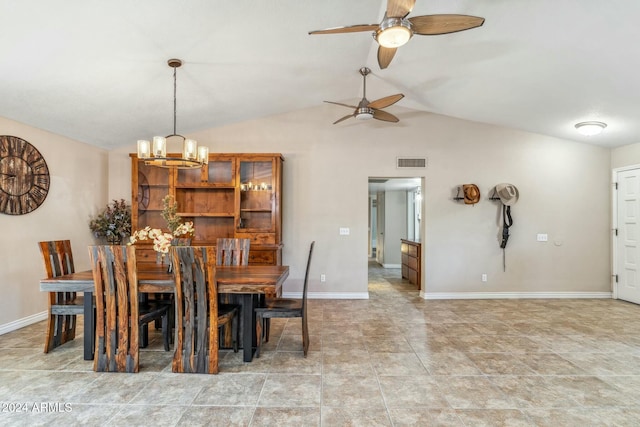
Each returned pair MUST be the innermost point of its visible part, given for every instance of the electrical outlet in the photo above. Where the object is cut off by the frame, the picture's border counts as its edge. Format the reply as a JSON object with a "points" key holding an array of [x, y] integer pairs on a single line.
{"points": [[323, 278], [484, 277]]}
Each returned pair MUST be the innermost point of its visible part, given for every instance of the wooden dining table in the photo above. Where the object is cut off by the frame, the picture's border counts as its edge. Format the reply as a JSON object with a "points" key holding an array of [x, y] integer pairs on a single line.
{"points": [[248, 281]]}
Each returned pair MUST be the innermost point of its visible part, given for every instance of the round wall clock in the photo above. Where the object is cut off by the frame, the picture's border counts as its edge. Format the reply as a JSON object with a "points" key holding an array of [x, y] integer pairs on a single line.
{"points": [[24, 176]]}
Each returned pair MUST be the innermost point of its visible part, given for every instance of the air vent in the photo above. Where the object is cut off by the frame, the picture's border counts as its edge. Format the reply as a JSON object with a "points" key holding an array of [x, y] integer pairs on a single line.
{"points": [[411, 162]]}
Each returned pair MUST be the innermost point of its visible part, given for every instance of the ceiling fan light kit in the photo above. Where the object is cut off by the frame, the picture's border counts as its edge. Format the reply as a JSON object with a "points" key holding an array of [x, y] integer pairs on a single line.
{"points": [[156, 154], [393, 32], [590, 128]]}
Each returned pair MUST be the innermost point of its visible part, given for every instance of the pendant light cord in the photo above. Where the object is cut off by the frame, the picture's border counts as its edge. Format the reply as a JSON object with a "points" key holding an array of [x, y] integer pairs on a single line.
{"points": [[174, 100]]}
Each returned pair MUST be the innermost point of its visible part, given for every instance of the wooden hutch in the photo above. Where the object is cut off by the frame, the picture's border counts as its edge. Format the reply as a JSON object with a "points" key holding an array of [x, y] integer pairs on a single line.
{"points": [[235, 195]]}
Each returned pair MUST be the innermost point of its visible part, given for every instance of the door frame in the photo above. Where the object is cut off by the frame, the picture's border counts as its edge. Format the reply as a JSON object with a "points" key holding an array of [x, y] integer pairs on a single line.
{"points": [[614, 225]]}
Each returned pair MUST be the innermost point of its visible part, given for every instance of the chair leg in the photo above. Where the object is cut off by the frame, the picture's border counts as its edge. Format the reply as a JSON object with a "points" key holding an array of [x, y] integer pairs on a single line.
{"points": [[267, 329], [144, 335], [305, 336], [259, 323], [235, 330], [166, 331]]}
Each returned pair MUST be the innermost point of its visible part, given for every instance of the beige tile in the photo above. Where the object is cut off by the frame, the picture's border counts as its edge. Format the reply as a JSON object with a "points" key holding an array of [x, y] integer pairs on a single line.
{"points": [[549, 364], [148, 415], [493, 418], [500, 363], [294, 362], [397, 364], [420, 417], [355, 417], [472, 392], [293, 417], [533, 391], [216, 416], [351, 391], [452, 363], [231, 390], [346, 361], [291, 390], [420, 391]]}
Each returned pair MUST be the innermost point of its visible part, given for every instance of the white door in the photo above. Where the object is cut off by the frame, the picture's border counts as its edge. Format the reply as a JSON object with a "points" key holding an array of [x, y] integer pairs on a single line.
{"points": [[627, 241]]}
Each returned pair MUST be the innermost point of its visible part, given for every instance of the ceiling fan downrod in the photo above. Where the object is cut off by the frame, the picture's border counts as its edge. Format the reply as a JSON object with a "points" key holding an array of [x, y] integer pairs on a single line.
{"points": [[364, 112]]}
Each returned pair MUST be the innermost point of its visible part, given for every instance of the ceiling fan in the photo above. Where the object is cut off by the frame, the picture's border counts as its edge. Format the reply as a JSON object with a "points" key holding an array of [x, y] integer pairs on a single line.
{"points": [[396, 29], [370, 110]]}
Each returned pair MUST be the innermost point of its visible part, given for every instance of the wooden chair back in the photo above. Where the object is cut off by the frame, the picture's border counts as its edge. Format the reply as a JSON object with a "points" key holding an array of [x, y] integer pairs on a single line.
{"points": [[63, 306], [197, 339], [306, 282], [232, 251], [117, 308]]}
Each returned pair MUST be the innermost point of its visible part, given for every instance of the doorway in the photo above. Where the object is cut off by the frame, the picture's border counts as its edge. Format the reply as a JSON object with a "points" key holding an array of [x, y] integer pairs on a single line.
{"points": [[626, 246], [395, 209]]}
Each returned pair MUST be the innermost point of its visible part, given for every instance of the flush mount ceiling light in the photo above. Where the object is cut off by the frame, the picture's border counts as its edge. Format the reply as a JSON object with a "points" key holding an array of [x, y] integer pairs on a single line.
{"points": [[192, 156], [590, 128]]}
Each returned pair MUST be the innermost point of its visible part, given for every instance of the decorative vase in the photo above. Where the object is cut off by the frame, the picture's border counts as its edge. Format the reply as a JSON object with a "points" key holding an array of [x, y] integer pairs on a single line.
{"points": [[164, 259], [114, 240]]}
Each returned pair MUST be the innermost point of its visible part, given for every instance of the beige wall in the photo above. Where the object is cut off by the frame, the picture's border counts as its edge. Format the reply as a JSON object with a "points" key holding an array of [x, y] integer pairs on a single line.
{"points": [[629, 155], [78, 190], [564, 192]]}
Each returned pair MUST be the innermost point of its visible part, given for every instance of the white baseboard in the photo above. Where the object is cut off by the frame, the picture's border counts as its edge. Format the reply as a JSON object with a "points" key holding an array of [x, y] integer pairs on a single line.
{"points": [[391, 265], [327, 295], [21, 323], [513, 295]]}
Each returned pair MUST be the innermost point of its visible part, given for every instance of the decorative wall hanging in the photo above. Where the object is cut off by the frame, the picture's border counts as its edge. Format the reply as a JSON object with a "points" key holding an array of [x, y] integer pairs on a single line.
{"points": [[24, 176], [470, 194], [508, 195]]}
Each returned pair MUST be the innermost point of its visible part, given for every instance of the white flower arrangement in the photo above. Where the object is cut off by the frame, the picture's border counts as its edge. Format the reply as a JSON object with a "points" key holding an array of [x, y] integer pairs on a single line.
{"points": [[162, 240]]}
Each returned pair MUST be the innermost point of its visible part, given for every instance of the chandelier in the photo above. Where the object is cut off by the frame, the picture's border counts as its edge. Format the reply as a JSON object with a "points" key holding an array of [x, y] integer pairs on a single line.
{"points": [[192, 156]]}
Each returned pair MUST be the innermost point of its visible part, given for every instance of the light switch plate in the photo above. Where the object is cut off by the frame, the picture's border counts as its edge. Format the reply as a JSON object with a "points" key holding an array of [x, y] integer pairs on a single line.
{"points": [[344, 231]]}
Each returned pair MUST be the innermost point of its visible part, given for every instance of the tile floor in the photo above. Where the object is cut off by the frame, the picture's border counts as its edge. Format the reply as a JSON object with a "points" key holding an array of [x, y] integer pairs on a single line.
{"points": [[392, 360]]}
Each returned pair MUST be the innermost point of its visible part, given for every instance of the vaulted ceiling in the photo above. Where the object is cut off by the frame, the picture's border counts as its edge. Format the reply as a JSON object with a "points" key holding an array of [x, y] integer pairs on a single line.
{"points": [[96, 71]]}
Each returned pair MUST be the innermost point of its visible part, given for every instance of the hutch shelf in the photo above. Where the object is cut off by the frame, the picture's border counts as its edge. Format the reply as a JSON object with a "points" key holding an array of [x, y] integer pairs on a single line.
{"points": [[235, 195]]}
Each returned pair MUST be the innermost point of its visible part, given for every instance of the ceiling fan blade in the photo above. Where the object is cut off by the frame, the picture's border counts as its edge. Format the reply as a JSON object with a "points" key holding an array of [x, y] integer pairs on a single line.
{"points": [[383, 115], [431, 25], [339, 103], [343, 118], [385, 55], [386, 101], [349, 29], [399, 8]]}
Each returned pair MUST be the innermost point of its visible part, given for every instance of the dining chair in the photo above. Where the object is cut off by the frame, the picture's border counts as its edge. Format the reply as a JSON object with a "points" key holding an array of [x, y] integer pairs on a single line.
{"points": [[231, 251], [119, 314], [284, 308], [199, 315], [63, 307]]}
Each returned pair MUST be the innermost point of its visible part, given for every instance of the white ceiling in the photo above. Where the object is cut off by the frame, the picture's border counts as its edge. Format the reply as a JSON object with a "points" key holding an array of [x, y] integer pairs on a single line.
{"points": [[96, 71]]}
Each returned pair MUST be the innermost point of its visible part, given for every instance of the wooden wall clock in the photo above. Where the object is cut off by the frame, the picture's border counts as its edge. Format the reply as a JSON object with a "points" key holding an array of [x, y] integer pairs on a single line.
{"points": [[24, 176]]}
